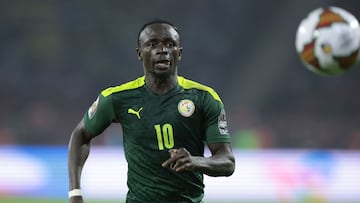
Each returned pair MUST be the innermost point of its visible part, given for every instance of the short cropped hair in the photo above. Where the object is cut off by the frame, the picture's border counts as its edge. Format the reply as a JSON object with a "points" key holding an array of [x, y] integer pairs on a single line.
{"points": [[156, 21]]}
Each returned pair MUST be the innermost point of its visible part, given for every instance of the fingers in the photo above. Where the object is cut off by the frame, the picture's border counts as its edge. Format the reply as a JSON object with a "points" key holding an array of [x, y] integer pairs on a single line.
{"points": [[173, 152], [171, 160], [181, 165], [180, 159]]}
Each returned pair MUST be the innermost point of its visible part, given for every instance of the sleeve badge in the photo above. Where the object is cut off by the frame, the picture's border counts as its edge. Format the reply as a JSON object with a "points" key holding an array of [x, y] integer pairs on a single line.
{"points": [[222, 123], [93, 108]]}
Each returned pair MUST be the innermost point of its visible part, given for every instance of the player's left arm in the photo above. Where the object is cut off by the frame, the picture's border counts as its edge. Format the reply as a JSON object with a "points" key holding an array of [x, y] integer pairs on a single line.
{"points": [[220, 163]]}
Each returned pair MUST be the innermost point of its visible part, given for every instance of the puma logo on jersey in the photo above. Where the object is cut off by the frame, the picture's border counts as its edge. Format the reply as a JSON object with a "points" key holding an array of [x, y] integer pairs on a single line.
{"points": [[137, 113]]}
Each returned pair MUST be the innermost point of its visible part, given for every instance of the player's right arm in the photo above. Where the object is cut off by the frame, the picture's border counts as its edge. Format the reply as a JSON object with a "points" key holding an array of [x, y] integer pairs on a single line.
{"points": [[99, 116], [78, 151]]}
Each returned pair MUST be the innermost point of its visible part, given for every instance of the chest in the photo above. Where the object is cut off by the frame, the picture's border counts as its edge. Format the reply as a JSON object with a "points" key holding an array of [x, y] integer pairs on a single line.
{"points": [[161, 122], [141, 110]]}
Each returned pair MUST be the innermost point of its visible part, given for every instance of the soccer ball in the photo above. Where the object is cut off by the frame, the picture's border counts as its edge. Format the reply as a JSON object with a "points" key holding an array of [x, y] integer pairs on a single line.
{"points": [[328, 41]]}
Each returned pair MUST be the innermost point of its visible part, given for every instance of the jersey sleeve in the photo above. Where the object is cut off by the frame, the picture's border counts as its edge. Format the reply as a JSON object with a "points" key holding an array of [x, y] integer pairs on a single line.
{"points": [[100, 115], [215, 120]]}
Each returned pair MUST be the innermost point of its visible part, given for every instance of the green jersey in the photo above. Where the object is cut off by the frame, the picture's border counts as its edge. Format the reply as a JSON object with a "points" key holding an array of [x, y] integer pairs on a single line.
{"points": [[189, 115]]}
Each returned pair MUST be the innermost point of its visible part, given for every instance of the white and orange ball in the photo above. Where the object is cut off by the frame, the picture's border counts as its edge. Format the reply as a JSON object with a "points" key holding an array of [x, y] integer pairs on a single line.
{"points": [[328, 41]]}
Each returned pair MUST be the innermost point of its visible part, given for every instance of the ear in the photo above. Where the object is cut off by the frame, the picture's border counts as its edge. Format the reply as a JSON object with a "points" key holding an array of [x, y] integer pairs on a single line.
{"points": [[180, 53], [138, 51]]}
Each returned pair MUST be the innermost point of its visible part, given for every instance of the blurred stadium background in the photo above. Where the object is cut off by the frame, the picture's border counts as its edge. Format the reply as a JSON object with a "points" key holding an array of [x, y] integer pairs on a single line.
{"points": [[296, 135]]}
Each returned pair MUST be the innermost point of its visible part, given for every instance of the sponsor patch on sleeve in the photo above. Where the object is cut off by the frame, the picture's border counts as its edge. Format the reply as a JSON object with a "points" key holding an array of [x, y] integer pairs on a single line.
{"points": [[93, 108], [222, 123]]}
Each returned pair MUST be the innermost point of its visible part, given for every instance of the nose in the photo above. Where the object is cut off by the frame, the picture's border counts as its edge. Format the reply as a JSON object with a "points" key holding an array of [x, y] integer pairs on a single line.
{"points": [[161, 49]]}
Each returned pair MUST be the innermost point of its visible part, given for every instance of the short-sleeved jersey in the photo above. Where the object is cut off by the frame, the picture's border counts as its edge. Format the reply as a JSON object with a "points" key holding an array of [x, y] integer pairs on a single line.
{"points": [[189, 115]]}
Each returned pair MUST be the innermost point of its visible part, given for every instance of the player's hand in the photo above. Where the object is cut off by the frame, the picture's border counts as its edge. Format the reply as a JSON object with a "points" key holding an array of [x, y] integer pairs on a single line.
{"points": [[180, 160], [76, 200]]}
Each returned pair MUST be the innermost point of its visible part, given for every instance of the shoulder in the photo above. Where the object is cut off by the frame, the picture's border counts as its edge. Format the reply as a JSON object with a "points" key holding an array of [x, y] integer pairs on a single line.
{"points": [[190, 84], [139, 82]]}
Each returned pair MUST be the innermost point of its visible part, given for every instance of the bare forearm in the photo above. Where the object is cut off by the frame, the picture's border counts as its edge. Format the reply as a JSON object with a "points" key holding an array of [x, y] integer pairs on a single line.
{"points": [[79, 148], [215, 165], [221, 163]]}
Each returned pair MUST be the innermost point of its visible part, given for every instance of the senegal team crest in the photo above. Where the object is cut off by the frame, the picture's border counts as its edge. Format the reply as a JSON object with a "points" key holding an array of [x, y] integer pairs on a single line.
{"points": [[186, 107]]}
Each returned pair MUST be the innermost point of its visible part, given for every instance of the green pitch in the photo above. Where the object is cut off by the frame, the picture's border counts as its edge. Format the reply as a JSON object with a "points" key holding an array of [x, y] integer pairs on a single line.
{"points": [[43, 200]]}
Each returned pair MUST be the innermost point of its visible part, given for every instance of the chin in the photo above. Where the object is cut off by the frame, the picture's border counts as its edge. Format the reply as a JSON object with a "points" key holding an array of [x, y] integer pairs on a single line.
{"points": [[162, 75]]}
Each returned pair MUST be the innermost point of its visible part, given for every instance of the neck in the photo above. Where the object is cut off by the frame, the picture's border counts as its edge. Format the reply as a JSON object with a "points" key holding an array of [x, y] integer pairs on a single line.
{"points": [[160, 86]]}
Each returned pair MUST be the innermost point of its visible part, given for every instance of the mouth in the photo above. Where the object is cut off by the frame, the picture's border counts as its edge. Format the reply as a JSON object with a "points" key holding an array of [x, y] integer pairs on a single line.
{"points": [[162, 64]]}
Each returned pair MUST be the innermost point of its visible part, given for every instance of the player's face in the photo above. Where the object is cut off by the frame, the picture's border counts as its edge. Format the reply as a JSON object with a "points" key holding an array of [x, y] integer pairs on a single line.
{"points": [[159, 49]]}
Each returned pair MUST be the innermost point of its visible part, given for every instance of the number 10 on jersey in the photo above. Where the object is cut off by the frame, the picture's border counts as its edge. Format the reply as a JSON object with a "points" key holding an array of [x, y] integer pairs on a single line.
{"points": [[165, 136]]}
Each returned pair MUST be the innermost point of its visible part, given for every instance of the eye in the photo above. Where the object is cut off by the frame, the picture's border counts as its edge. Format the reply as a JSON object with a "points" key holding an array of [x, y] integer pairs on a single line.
{"points": [[152, 44], [170, 44]]}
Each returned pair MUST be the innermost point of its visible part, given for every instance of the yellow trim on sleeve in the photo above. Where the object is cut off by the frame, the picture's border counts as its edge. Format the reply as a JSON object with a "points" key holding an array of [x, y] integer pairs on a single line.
{"points": [[126, 86], [188, 84]]}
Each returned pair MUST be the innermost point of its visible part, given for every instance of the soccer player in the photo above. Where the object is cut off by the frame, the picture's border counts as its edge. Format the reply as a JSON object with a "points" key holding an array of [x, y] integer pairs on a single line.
{"points": [[166, 121]]}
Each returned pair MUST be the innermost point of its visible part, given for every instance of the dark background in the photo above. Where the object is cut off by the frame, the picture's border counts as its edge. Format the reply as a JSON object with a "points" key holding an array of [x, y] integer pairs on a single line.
{"points": [[56, 56]]}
